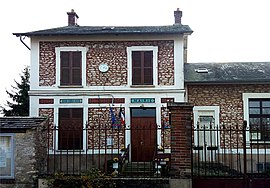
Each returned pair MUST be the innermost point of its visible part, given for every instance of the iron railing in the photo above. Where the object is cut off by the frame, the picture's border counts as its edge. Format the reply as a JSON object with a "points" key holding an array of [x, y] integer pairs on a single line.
{"points": [[107, 148], [230, 151]]}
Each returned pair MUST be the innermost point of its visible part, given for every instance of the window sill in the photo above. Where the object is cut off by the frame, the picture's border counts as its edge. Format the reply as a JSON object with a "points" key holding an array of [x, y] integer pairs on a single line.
{"points": [[71, 86], [142, 86]]}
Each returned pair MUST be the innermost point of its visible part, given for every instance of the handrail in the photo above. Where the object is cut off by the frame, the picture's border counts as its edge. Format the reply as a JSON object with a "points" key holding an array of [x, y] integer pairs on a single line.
{"points": [[123, 158]]}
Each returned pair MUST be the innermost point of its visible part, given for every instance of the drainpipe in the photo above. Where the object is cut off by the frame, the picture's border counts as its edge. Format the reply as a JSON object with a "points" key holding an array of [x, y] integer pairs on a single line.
{"points": [[21, 39]]}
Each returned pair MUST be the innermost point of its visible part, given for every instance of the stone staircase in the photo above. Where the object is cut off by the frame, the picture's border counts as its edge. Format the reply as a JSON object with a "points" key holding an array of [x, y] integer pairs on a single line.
{"points": [[138, 169]]}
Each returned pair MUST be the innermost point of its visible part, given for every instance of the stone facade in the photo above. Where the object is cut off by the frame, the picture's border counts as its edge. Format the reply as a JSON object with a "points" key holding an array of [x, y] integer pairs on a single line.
{"points": [[227, 97], [30, 154], [112, 53], [48, 113], [100, 128]]}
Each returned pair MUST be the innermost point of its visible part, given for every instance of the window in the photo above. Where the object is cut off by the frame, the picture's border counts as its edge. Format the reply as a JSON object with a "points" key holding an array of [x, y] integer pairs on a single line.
{"points": [[259, 119], [71, 68], [70, 132], [142, 65], [142, 68], [6, 156], [206, 136]]}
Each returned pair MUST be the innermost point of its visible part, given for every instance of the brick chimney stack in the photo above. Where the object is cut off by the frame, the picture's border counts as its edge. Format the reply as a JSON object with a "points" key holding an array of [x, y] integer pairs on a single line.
{"points": [[72, 18], [177, 17]]}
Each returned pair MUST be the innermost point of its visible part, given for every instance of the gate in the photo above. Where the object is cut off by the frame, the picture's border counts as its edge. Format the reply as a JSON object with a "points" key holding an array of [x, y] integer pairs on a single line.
{"points": [[238, 158]]}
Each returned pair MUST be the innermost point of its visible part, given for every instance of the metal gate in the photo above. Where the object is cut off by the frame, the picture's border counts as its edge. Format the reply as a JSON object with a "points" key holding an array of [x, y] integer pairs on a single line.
{"points": [[239, 157]]}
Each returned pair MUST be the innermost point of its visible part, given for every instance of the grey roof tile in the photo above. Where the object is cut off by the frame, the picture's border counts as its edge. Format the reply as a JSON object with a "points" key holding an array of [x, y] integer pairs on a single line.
{"points": [[109, 30], [20, 122], [241, 72]]}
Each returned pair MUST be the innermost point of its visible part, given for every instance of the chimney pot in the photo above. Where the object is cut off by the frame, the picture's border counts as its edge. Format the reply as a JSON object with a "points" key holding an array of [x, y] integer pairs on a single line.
{"points": [[177, 17], [72, 18]]}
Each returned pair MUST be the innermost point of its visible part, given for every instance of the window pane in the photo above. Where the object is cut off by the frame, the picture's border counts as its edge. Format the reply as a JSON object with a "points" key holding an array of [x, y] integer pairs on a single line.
{"points": [[148, 76], [254, 123], [5, 156], [136, 59], [254, 103], [136, 76], [76, 60], [65, 76], [148, 59], [76, 77], [266, 123], [265, 103], [143, 112], [254, 110], [64, 59], [266, 111]]}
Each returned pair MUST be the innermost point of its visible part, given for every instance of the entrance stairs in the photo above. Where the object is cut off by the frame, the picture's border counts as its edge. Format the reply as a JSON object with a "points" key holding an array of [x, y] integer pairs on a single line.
{"points": [[138, 169]]}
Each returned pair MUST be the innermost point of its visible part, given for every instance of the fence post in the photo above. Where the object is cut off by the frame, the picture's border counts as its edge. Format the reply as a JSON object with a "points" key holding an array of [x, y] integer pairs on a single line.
{"points": [[181, 144], [245, 152]]}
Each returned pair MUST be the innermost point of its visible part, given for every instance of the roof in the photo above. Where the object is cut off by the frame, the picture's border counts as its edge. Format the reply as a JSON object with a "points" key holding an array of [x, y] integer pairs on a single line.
{"points": [[244, 72], [110, 30], [20, 122]]}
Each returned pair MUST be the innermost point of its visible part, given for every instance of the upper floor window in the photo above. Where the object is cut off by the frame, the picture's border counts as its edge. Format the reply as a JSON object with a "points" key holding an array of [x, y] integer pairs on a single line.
{"points": [[142, 65], [259, 119], [71, 66], [142, 68]]}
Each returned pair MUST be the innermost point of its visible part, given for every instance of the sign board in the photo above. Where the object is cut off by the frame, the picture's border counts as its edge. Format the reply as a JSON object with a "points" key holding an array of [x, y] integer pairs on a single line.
{"points": [[70, 101], [142, 100]]}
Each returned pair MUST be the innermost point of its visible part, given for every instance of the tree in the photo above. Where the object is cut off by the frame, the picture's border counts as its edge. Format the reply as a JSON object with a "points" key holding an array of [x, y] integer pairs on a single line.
{"points": [[19, 95]]}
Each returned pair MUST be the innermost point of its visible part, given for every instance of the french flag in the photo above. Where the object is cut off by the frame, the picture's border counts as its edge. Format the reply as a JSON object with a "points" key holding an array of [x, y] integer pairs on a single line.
{"points": [[122, 116]]}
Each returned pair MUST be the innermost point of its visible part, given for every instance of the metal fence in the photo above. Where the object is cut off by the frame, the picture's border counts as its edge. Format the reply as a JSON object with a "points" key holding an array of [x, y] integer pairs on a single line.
{"points": [[107, 148], [230, 151]]}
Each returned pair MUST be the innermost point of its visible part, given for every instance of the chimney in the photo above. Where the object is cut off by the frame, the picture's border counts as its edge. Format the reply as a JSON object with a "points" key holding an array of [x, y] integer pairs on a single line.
{"points": [[177, 17], [72, 18]]}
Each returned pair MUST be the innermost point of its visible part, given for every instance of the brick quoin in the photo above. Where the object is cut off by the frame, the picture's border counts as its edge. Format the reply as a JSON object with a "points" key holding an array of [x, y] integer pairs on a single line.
{"points": [[181, 136]]}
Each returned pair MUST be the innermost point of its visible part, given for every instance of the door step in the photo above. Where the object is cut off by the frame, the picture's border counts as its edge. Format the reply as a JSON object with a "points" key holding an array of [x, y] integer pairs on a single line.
{"points": [[138, 169]]}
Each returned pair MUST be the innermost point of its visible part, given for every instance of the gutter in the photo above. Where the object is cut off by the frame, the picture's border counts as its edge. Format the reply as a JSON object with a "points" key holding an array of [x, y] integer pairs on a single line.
{"points": [[21, 39]]}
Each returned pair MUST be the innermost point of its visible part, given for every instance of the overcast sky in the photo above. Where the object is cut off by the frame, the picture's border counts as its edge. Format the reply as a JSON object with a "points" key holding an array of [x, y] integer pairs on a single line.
{"points": [[224, 30]]}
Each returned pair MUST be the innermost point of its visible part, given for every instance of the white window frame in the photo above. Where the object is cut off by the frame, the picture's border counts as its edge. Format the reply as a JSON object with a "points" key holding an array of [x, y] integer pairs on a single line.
{"points": [[155, 62], [204, 110], [246, 97], [11, 135], [58, 51]]}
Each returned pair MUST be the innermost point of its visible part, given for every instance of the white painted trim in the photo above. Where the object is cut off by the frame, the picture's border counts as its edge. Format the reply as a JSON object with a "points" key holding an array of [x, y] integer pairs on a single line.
{"points": [[215, 109], [207, 110], [155, 61], [179, 63], [71, 48], [34, 65], [246, 97]]}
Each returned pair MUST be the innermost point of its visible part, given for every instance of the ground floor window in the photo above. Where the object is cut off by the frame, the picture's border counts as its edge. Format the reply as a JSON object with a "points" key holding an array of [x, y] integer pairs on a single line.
{"points": [[70, 129], [259, 119], [206, 135], [6, 156]]}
